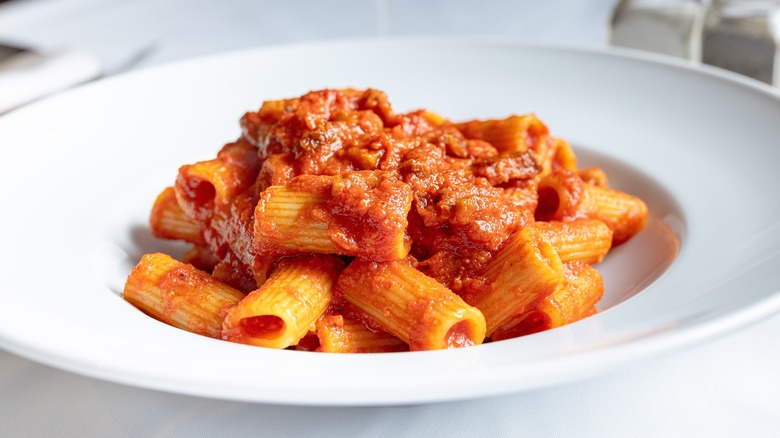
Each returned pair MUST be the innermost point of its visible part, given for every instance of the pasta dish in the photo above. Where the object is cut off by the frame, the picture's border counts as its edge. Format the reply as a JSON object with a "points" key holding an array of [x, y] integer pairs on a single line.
{"points": [[335, 224]]}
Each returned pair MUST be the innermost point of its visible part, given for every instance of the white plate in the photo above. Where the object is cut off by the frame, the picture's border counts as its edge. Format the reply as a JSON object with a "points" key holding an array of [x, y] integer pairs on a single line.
{"points": [[82, 169]]}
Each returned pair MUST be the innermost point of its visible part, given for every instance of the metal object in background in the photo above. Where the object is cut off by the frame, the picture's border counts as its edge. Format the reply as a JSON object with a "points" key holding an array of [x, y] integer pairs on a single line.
{"points": [[671, 27], [27, 75], [738, 35], [9, 51], [742, 36]]}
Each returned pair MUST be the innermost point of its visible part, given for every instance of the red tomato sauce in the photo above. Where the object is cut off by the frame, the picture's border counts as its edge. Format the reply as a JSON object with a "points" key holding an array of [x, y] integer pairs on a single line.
{"points": [[460, 214]]}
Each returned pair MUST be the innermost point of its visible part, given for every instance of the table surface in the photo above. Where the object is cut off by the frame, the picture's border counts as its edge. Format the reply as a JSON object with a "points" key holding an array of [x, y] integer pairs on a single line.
{"points": [[725, 387]]}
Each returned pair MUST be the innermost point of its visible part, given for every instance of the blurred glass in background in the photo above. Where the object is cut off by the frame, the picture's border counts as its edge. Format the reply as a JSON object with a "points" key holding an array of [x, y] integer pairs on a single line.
{"points": [[671, 27], [742, 36], [738, 35]]}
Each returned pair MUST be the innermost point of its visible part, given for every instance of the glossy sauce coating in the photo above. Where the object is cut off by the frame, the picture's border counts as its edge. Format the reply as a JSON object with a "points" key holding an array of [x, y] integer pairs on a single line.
{"points": [[452, 234], [460, 213]]}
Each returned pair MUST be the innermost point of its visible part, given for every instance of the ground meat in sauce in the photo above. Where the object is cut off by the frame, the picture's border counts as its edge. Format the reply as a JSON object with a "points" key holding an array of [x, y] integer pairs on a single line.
{"points": [[460, 213]]}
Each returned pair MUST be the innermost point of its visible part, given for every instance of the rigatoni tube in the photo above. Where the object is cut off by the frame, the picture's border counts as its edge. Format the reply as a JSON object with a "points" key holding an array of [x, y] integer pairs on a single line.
{"points": [[203, 185], [362, 214], [168, 220], [584, 288], [412, 306], [289, 220], [513, 135], [586, 240], [623, 213], [338, 334], [285, 307], [525, 271], [180, 295]]}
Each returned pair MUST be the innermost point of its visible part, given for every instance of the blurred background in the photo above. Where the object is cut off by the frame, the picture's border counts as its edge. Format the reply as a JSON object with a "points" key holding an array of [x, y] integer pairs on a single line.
{"points": [[72, 41], [166, 30]]}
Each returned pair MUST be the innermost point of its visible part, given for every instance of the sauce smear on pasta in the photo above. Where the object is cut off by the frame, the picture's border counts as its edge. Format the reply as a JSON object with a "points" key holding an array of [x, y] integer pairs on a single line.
{"points": [[334, 223]]}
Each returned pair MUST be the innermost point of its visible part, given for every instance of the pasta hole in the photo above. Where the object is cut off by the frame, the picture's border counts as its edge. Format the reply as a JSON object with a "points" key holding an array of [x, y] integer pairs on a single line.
{"points": [[263, 326], [460, 335], [549, 203], [199, 196], [203, 192]]}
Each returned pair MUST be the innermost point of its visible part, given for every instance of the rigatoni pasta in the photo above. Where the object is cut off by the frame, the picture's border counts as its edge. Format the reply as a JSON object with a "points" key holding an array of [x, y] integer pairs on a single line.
{"points": [[585, 240], [338, 333], [180, 295], [573, 299], [524, 272], [335, 224], [168, 220], [412, 306], [281, 311]]}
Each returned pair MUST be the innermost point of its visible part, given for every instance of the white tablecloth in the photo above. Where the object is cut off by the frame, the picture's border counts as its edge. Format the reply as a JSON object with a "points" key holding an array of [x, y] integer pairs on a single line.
{"points": [[727, 387]]}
